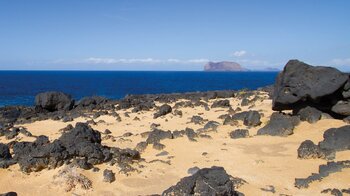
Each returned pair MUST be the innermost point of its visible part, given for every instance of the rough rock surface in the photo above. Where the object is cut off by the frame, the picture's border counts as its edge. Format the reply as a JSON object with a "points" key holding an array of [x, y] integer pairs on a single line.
{"points": [[108, 176], [239, 133], [249, 118], [197, 120], [342, 108], [309, 150], [300, 84], [4, 152], [80, 142], [279, 125], [309, 114], [221, 104], [336, 139], [207, 181], [211, 125], [163, 110], [54, 101]]}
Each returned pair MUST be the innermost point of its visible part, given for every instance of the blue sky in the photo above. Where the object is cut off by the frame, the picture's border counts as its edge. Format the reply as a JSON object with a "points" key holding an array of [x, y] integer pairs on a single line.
{"points": [[172, 35]]}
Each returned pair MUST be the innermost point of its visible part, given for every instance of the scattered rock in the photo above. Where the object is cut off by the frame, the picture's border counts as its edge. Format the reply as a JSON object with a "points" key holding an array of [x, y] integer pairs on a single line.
{"points": [[191, 134], [107, 131], [141, 146], [197, 120], [158, 146], [193, 170], [230, 121], [336, 139], [206, 181], [67, 119], [108, 176], [178, 113], [211, 125], [269, 188], [154, 125], [163, 153], [252, 119], [279, 125], [324, 171], [342, 108], [156, 135], [221, 104], [309, 114], [249, 118], [309, 150], [239, 133], [163, 110], [335, 192], [245, 102], [127, 134]]}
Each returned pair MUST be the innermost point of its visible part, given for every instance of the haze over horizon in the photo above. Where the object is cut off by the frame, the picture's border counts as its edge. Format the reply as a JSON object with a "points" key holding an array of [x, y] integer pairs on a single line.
{"points": [[172, 35]]}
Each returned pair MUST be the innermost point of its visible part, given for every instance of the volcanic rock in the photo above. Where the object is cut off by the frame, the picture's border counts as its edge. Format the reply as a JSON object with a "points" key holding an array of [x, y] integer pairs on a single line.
{"points": [[279, 125], [54, 101], [206, 181]]}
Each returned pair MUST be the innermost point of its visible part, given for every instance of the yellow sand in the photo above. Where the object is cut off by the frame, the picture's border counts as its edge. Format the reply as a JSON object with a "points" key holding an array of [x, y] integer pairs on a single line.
{"points": [[259, 160]]}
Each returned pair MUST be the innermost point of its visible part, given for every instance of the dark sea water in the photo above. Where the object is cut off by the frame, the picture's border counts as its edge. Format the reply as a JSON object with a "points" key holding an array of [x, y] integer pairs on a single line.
{"points": [[20, 87]]}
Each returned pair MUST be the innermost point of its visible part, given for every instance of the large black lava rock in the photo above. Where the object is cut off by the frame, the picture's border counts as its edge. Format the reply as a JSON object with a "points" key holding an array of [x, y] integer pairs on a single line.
{"points": [[207, 181], [54, 101], [302, 84]]}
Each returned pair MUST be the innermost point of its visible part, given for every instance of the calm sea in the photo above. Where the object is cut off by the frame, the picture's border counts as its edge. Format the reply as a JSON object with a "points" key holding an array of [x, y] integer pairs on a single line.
{"points": [[20, 87]]}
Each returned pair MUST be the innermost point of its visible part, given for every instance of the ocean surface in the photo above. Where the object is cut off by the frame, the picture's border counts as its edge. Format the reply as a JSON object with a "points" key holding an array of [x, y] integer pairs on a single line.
{"points": [[20, 87]]}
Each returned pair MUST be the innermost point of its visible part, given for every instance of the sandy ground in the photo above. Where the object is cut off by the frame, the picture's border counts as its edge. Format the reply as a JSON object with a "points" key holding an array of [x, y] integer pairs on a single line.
{"points": [[260, 160]]}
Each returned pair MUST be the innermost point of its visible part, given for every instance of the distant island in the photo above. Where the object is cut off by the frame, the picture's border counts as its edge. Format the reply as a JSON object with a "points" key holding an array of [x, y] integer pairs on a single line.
{"points": [[223, 66]]}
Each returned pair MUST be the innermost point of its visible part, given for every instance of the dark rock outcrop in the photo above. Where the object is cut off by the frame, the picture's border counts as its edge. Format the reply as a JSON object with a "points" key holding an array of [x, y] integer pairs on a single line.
{"points": [[279, 125], [207, 181], [82, 142], [300, 85], [54, 101]]}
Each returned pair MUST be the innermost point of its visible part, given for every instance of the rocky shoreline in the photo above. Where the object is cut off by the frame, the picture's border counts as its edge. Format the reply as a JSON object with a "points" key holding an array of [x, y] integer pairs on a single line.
{"points": [[84, 138]]}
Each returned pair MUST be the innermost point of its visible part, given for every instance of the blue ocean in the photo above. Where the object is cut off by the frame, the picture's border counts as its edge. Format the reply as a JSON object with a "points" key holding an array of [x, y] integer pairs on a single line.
{"points": [[20, 87]]}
